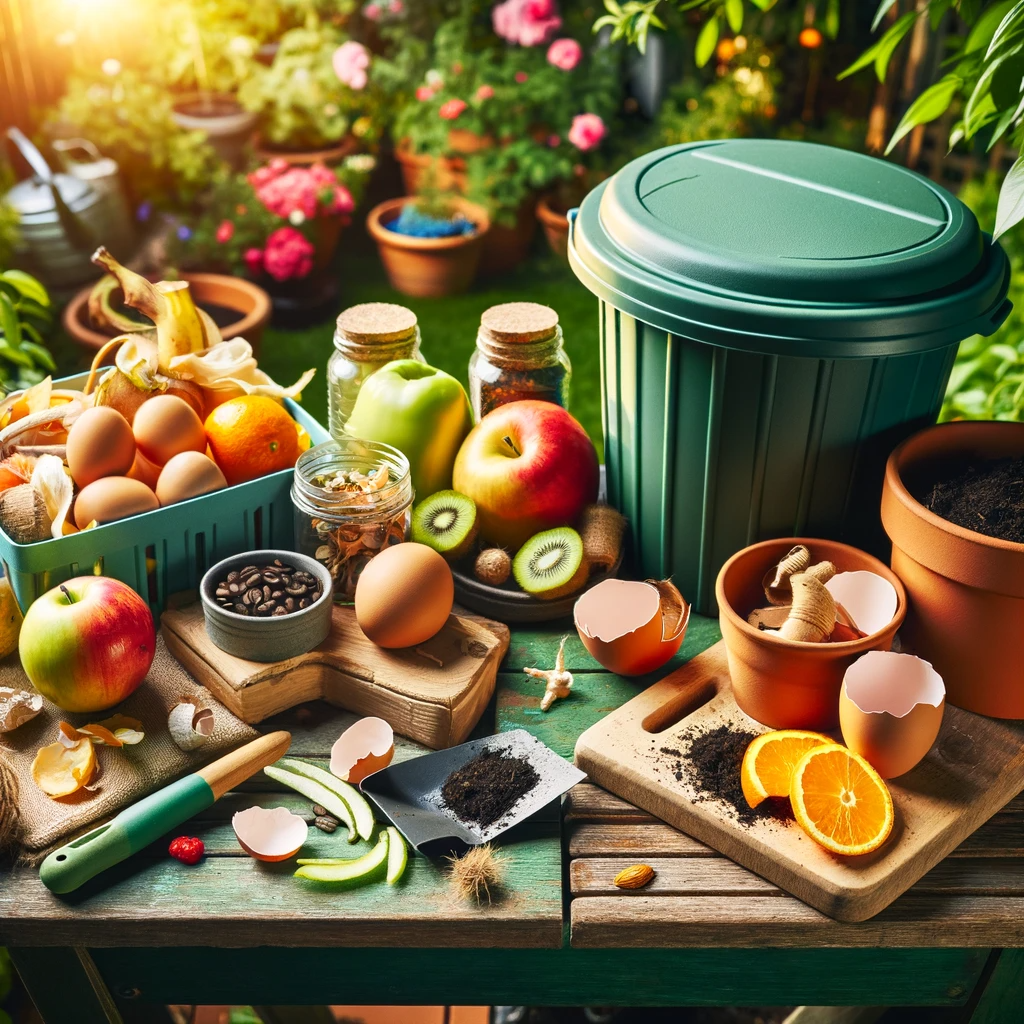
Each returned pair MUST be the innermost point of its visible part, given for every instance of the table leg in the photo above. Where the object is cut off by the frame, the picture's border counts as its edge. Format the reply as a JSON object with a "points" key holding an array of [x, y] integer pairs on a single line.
{"points": [[1000, 994]]}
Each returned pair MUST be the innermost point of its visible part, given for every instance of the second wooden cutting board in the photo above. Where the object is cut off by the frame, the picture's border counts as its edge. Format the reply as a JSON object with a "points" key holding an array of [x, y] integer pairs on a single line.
{"points": [[974, 769], [434, 693]]}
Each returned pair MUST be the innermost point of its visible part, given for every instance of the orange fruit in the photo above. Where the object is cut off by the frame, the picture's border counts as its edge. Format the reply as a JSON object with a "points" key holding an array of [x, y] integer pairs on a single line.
{"points": [[769, 761], [841, 802], [250, 436], [810, 38]]}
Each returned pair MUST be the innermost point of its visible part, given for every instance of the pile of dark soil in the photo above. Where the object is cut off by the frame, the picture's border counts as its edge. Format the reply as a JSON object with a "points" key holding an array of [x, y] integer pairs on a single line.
{"points": [[987, 498], [485, 789]]}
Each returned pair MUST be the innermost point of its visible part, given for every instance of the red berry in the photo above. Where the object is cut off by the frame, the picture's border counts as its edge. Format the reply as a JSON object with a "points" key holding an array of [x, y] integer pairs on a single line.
{"points": [[187, 849]]}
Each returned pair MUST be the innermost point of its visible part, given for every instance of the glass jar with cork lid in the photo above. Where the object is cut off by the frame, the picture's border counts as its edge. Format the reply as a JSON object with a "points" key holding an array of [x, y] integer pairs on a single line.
{"points": [[367, 336], [519, 354]]}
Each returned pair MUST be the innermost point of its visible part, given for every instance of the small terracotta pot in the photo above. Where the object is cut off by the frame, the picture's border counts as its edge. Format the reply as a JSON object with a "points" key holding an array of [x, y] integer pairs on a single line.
{"points": [[329, 155], [225, 122], [966, 590], [450, 171], [556, 226], [424, 267], [251, 301], [786, 684], [508, 245]]}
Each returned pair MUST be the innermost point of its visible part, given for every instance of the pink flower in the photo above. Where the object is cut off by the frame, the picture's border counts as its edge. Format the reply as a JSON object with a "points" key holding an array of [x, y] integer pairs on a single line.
{"points": [[451, 109], [526, 22], [587, 131], [424, 93], [396, 6], [371, 11], [342, 200], [296, 192], [288, 255], [350, 62], [457, 68], [522, 76], [254, 261], [565, 54], [485, 92], [554, 141], [224, 231]]}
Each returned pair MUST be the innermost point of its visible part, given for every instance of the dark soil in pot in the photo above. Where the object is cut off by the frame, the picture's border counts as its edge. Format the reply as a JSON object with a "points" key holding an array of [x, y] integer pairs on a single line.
{"points": [[986, 497]]}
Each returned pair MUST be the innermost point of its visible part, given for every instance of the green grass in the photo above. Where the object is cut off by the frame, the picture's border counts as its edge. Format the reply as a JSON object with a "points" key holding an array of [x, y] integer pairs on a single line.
{"points": [[448, 327]]}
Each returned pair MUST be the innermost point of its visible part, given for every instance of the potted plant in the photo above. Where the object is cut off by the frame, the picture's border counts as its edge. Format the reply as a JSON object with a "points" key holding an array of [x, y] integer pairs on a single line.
{"points": [[429, 245], [25, 316], [312, 101]]}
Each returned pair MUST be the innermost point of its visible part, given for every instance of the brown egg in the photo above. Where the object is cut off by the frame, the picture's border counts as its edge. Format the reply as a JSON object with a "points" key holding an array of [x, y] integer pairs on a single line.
{"points": [[890, 710], [187, 475], [100, 443], [113, 497], [404, 595], [165, 426]]}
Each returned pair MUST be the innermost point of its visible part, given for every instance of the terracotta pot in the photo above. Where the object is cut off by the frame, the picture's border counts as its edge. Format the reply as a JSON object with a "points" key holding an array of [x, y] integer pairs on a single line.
{"points": [[428, 266], [556, 227], [966, 590], [450, 171], [782, 683], [329, 155], [225, 122], [251, 301], [506, 246]]}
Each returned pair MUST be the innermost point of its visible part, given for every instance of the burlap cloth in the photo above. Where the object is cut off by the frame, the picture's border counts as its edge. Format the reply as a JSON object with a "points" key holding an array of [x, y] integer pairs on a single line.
{"points": [[126, 773]]}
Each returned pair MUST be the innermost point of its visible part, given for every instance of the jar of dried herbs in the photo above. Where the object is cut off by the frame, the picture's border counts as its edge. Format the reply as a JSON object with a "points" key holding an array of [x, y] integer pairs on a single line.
{"points": [[352, 499], [519, 354], [367, 336]]}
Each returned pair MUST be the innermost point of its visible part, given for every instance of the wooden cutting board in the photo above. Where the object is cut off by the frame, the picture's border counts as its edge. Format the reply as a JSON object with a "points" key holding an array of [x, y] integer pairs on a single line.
{"points": [[434, 693], [975, 767]]}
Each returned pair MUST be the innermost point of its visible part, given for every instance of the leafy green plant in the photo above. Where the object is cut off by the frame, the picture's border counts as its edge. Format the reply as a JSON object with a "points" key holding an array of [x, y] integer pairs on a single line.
{"points": [[8, 219], [25, 315]]}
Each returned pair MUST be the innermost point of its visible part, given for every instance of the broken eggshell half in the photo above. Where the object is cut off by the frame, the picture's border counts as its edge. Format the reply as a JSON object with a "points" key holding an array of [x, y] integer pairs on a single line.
{"points": [[630, 627], [269, 833], [890, 710], [363, 748], [190, 726], [867, 601]]}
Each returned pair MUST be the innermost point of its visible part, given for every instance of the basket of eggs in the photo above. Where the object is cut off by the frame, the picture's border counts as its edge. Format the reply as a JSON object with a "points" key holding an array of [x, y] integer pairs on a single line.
{"points": [[152, 470]]}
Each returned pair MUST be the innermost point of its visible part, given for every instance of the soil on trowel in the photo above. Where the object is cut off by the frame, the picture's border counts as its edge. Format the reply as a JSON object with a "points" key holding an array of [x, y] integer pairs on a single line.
{"points": [[485, 789], [987, 498]]}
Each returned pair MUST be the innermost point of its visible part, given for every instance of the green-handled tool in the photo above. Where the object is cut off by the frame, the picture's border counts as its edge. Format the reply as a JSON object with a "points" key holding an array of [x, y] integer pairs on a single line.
{"points": [[146, 821]]}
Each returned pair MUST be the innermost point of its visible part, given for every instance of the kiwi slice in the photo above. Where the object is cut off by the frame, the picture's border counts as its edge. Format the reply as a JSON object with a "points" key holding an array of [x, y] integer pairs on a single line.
{"points": [[551, 564], [446, 522]]}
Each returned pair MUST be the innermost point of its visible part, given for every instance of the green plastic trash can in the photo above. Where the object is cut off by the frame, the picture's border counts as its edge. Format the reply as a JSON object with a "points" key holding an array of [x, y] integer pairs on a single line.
{"points": [[775, 317]]}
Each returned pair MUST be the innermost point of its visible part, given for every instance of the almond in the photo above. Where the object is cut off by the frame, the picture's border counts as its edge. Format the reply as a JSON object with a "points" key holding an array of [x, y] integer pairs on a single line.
{"points": [[635, 877]]}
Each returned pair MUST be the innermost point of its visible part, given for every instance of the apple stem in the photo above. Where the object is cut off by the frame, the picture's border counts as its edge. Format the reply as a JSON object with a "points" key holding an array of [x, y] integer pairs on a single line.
{"points": [[67, 594], [508, 440]]}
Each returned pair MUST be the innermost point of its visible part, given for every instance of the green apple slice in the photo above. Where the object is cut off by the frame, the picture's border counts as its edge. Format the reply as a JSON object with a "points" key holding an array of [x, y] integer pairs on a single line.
{"points": [[358, 870], [362, 813], [318, 794], [398, 855]]}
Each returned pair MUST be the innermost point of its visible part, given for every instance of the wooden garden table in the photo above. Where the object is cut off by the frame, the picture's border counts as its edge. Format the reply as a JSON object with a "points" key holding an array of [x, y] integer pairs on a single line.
{"points": [[706, 932]]}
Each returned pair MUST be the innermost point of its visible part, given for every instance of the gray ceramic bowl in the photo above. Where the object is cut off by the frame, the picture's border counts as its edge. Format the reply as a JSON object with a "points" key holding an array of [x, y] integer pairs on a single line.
{"points": [[267, 639]]}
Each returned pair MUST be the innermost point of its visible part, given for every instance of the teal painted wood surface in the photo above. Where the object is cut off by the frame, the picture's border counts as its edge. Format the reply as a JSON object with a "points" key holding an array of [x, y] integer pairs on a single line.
{"points": [[1001, 997]]}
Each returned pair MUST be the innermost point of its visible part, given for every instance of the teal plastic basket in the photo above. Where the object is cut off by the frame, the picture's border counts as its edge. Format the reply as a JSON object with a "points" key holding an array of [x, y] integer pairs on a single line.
{"points": [[165, 551]]}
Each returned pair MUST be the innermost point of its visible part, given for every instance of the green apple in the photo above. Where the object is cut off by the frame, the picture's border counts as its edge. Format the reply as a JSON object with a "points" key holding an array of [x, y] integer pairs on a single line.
{"points": [[421, 411]]}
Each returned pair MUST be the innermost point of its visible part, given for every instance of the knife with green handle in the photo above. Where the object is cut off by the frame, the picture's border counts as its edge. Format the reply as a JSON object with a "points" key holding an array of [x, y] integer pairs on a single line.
{"points": [[137, 826]]}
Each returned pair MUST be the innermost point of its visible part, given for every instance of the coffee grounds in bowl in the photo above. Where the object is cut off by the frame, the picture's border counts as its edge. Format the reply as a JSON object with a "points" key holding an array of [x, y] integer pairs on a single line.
{"points": [[987, 497]]}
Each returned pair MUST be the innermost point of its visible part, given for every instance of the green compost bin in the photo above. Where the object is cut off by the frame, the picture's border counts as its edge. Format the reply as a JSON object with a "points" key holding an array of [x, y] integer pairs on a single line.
{"points": [[775, 317]]}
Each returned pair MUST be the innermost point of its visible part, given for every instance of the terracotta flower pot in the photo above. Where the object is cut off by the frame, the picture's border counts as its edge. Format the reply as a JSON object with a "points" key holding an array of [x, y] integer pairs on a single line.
{"points": [[507, 245], [251, 301], [225, 122], [329, 155], [783, 683], [556, 227], [966, 590], [450, 171], [428, 266]]}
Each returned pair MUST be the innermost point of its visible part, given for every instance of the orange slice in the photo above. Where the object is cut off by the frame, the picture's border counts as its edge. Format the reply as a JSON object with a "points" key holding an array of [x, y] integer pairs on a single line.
{"points": [[841, 801], [770, 759]]}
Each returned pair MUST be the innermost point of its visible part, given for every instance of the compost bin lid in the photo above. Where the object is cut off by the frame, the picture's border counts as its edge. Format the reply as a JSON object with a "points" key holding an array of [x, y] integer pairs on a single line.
{"points": [[789, 247]]}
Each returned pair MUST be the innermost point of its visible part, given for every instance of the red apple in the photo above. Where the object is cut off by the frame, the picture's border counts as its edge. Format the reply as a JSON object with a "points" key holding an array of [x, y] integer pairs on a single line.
{"points": [[88, 643], [529, 466]]}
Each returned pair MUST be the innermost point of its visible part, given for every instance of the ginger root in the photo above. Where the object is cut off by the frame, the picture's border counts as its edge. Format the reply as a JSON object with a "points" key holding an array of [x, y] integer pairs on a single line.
{"points": [[559, 682], [812, 616]]}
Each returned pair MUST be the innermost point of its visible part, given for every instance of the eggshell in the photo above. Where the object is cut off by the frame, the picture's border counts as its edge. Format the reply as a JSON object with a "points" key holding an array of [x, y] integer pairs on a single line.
{"points": [[890, 710], [167, 425], [145, 471], [868, 599], [269, 833], [100, 443], [187, 475], [404, 595], [629, 627], [113, 497], [363, 748]]}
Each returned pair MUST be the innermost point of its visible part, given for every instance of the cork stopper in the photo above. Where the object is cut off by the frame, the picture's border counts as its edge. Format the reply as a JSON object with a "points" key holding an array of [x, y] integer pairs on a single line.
{"points": [[371, 322], [517, 322]]}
